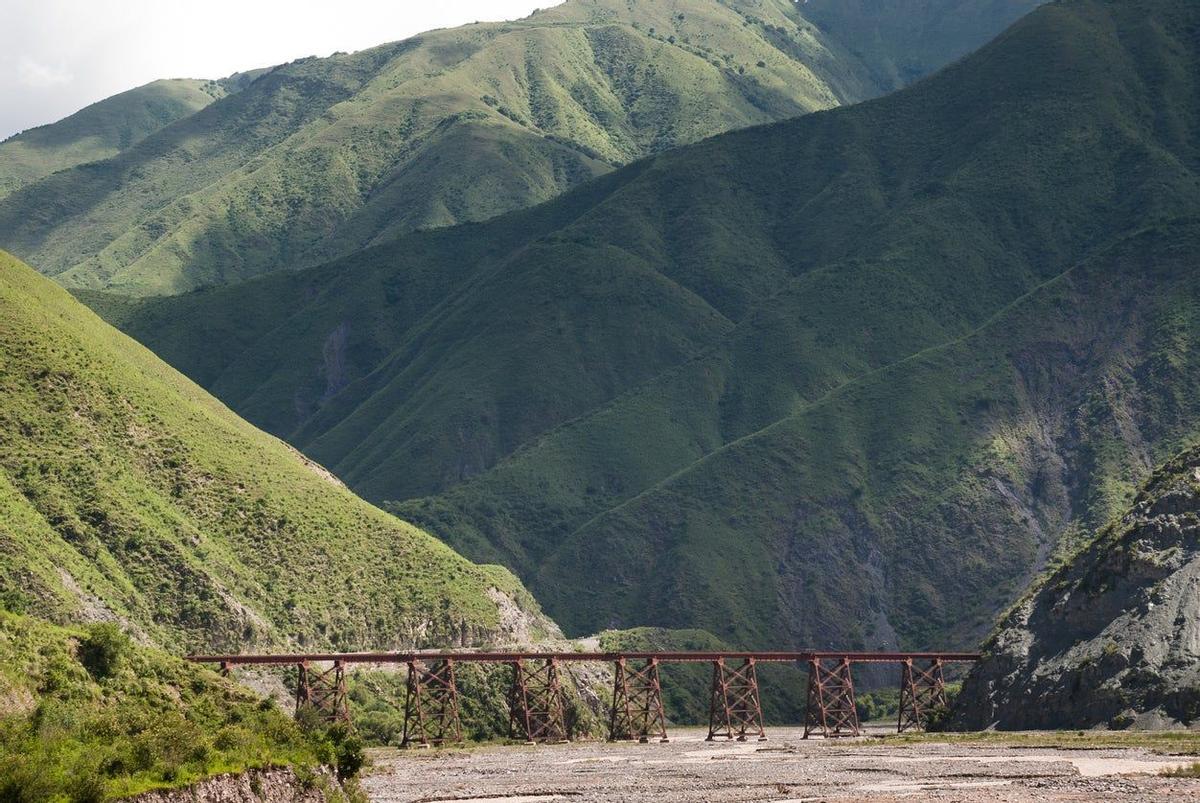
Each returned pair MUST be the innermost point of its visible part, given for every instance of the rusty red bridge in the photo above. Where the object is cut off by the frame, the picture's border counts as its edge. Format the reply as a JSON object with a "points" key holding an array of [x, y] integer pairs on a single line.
{"points": [[537, 700]]}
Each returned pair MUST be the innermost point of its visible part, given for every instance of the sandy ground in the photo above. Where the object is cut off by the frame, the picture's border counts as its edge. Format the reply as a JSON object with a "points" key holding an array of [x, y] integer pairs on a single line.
{"points": [[785, 768]]}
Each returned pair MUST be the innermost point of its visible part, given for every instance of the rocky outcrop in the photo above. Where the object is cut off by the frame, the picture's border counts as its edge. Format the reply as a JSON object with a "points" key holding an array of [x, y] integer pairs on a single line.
{"points": [[1112, 638], [254, 786]]}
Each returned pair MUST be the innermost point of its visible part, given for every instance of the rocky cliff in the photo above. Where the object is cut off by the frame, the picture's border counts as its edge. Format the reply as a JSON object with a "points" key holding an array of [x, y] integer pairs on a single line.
{"points": [[271, 785], [1112, 638]]}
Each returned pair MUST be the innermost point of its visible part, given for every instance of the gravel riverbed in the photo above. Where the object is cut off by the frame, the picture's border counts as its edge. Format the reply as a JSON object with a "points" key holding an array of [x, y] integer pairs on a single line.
{"points": [[785, 768]]}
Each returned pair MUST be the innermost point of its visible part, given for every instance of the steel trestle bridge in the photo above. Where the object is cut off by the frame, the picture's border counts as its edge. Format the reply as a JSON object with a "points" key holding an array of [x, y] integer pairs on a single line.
{"points": [[537, 698]]}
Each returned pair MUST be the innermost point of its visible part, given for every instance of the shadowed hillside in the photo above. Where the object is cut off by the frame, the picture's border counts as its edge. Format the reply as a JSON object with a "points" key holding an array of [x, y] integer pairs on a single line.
{"points": [[899, 40]]}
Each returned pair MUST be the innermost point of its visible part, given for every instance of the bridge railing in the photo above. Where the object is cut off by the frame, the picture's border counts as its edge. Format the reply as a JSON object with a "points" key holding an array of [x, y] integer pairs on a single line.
{"points": [[537, 705]]}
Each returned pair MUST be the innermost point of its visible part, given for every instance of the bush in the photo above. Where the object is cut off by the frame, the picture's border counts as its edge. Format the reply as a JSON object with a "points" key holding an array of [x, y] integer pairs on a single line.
{"points": [[348, 750], [15, 601], [937, 719], [103, 649]]}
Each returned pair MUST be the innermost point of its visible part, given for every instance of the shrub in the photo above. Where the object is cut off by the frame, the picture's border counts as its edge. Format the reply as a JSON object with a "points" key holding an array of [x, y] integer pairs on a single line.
{"points": [[103, 649], [349, 752], [14, 601], [937, 719]]}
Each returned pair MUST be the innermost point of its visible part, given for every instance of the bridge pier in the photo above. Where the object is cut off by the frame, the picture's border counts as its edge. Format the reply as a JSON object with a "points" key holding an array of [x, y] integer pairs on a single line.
{"points": [[637, 707], [921, 691], [431, 715], [536, 704], [735, 709], [831, 708], [324, 690]]}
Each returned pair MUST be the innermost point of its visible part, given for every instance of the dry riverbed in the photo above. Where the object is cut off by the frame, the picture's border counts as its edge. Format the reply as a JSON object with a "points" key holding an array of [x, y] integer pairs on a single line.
{"points": [[786, 768]]}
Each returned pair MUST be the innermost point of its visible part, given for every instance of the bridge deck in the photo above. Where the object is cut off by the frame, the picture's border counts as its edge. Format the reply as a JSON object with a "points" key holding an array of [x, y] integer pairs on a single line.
{"points": [[606, 657]]}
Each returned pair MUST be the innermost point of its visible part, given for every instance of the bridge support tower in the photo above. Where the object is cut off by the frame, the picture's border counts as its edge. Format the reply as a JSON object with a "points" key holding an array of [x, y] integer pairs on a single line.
{"points": [[637, 707], [735, 709], [922, 691], [431, 716], [536, 703], [324, 690], [831, 710]]}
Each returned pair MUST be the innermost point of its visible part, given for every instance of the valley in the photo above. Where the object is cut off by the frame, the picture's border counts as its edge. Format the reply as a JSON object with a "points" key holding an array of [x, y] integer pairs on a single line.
{"points": [[794, 368]]}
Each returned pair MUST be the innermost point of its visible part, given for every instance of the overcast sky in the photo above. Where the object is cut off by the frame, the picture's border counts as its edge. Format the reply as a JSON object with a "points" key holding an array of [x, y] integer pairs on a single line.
{"points": [[60, 55]]}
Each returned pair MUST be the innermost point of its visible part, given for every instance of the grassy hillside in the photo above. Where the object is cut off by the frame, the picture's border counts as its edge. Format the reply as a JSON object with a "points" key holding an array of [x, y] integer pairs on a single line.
{"points": [[85, 715], [104, 129], [323, 157], [128, 493], [871, 363]]}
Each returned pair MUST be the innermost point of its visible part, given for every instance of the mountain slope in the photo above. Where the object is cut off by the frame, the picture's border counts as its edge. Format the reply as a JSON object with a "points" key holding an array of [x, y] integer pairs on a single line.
{"points": [[106, 128], [1112, 637], [127, 492], [746, 364], [326, 156]]}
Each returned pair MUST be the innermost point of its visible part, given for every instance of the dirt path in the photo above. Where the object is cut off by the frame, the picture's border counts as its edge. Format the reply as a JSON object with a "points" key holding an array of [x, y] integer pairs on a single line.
{"points": [[782, 769]]}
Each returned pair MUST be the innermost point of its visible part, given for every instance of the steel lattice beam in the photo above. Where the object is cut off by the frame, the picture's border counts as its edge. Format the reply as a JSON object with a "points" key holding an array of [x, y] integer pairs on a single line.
{"points": [[538, 711]]}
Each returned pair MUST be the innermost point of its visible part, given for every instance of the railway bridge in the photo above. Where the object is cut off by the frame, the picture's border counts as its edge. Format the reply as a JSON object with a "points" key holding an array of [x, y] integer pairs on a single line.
{"points": [[537, 700]]}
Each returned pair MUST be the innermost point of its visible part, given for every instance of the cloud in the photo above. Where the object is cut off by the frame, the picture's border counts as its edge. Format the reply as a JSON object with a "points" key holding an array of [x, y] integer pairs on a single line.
{"points": [[35, 75]]}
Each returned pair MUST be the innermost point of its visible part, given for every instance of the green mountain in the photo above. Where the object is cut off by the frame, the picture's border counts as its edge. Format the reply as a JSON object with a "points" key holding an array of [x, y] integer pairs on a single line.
{"points": [[1109, 638], [104, 129], [322, 157], [847, 379], [129, 494]]}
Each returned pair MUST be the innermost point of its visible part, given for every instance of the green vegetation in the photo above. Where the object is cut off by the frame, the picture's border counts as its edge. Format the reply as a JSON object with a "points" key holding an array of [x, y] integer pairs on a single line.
{"points": [[322, 157], [149, 721], [128, 493], [104, 129], [878, 706], [839, 382]]}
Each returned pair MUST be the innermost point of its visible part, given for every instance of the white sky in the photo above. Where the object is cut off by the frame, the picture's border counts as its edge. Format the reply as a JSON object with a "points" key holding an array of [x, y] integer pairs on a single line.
{"points": [[57, 56]]}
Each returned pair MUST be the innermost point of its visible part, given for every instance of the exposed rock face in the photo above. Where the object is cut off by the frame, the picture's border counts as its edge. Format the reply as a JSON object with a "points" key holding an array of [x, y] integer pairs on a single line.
{"points": [[252, 786], [1113, 637]]}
